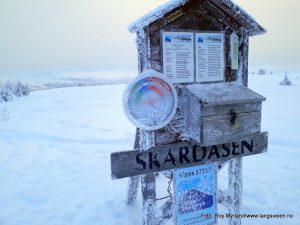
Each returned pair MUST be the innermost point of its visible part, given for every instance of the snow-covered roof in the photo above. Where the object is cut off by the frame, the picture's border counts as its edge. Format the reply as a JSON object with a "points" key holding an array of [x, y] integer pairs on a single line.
{"points": [[156, 14], [229, 7]]}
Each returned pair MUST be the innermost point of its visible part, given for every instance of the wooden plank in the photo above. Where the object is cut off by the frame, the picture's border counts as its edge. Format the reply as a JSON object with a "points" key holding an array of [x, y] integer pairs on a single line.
{"points": [[221, 16], [162, 22], [182, 155], [214, 127], [225, 109]]}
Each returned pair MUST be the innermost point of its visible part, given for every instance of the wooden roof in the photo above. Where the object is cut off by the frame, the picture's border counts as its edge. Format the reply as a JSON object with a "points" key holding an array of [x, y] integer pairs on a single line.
{"points": [[229, 8], [224, 93]]}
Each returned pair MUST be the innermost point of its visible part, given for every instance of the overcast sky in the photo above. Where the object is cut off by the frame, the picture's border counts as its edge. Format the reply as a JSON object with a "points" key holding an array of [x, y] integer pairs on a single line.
{"points": [[62, 35]]}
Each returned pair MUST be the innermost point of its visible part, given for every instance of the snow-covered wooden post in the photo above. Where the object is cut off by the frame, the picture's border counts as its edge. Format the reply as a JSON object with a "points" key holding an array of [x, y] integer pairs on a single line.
{"points": [[143, 49], [235, 169], [198, 18], [146, 139]]}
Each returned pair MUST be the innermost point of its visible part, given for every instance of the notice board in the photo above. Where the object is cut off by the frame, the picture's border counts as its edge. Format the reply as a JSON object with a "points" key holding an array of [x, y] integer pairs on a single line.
{"points": [[193, 56]]}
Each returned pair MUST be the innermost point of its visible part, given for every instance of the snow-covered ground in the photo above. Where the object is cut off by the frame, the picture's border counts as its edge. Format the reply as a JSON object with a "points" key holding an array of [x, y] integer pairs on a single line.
{"points": [[55, 150]]}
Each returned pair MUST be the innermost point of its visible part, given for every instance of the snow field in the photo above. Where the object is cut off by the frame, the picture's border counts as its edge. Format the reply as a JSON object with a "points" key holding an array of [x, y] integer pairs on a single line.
{"points": [[55, 150]]}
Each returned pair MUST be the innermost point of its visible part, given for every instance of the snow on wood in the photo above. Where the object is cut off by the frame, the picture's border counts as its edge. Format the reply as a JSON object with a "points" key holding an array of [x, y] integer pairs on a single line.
{"points": [[134, 182], [224, 93], [228, 110], [232, 9], [155, 14], [182, 155], [235, 188]]}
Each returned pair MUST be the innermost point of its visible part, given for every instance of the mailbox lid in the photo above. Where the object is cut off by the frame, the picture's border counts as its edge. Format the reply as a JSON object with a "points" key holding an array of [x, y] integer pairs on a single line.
{"points": [[225, 93]]}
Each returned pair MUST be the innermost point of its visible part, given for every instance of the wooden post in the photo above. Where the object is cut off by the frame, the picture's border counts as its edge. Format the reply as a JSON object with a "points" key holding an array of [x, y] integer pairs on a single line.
{"points": [[143, 49], [133, 182], [133, 187], [148, 183], [235, 190], [235, 169], [149, 195]]}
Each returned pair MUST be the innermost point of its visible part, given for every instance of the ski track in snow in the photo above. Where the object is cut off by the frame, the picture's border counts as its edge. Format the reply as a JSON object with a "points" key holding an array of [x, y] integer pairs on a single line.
{"points": [[55, 150]]}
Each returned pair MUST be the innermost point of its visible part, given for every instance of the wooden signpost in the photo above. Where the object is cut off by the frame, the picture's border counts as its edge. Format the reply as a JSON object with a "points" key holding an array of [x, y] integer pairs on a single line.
{"points": [[201, 46], [182, 155]]}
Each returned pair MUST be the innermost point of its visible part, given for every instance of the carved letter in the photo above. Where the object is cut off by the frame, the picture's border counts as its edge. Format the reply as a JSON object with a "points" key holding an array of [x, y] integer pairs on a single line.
{"points": [[234, 147], [170, 158], [248, 146], [140, 161], [195, 159], [227, 150], [184, 155], [153, 160], [196, 149], [214, 151]]}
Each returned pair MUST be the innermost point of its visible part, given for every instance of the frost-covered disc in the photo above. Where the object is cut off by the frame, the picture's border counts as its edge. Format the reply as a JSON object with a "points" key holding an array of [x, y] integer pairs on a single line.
{"points": [[150, 101]]}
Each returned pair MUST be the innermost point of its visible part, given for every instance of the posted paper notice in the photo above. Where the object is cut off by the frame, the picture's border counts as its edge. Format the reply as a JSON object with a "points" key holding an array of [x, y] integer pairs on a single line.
{"points": [[195, 195], [209, 57], [178, 56]]}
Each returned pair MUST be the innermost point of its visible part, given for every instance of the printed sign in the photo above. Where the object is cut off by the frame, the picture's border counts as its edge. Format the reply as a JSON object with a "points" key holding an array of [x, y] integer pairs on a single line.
{"points": [[195, 195], [178, 56], [234, 51], [179, 49], [209, 57]]}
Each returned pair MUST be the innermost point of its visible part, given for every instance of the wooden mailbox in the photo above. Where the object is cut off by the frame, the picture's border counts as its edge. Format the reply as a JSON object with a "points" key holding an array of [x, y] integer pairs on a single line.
{"points": [[224, 112]]}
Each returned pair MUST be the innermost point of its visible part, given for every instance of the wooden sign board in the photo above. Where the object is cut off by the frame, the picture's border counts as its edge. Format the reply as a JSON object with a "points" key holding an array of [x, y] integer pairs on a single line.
{"points": [[195, 195], [183, 155]]}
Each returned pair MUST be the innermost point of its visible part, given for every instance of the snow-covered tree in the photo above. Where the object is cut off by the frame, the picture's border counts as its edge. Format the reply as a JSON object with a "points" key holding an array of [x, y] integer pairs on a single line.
{"points": [[21, 89], [11, 89], [6, 93], [286, 81]]}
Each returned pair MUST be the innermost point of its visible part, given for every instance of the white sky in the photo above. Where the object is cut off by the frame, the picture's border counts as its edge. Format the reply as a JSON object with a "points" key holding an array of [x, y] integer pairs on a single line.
{"points": [[56, 35]]}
